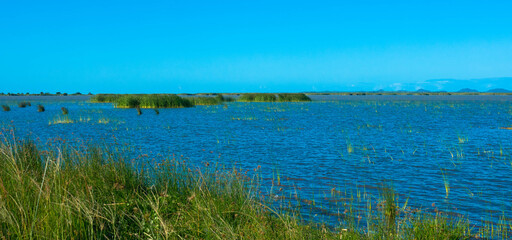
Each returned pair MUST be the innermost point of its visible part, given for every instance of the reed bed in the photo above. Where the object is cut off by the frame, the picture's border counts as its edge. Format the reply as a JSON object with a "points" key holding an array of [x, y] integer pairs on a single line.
{"points": [[64, 110], [293, 97], [89, 192], [206, 100], [40, 108], [6, 108], [257, 97], [152, 101]]}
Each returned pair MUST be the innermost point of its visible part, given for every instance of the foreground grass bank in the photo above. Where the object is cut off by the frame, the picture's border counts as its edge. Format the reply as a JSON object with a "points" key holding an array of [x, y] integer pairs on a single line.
{"points": [[93, 192]]}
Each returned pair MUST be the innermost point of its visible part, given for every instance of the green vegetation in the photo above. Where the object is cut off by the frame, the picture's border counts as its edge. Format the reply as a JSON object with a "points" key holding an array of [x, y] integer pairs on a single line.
{"points": [[293, 97], [40, 108], [91, 192], [205, 100], [157, 100], [105, 98], [64, 110], [24, 104], [270, 97], [6, 108], [257, 97]]}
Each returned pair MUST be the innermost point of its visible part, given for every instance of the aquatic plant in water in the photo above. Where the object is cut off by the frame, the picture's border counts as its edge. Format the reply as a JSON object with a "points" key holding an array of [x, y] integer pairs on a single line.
{"points": [[6, 108], [24, 104], [40, 108]]}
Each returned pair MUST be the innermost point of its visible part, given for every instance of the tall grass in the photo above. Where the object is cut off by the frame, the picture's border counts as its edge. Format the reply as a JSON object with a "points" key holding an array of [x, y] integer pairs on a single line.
{"points": [[89, 192], [6, 108], [40, 108]]}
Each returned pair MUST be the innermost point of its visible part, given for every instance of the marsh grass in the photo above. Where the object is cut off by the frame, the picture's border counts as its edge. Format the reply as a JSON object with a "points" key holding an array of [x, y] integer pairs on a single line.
{"points": [[293, 97], [139, 112], [64, 110], [40, 108], [152, 101], [205, 100], [6, 108], [257, 97], [89, 192]]}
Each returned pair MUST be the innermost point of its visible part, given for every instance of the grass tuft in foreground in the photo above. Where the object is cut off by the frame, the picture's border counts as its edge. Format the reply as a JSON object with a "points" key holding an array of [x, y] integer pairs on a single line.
{"points": [[94, 192]]}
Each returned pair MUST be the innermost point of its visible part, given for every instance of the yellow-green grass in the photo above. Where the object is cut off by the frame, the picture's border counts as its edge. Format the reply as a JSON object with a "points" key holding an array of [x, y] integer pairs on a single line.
{"points": [[95, 192]]}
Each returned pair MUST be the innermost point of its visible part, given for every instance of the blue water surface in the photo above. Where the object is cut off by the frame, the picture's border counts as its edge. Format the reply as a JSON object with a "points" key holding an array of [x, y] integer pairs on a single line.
{"points": [[317, 154]]}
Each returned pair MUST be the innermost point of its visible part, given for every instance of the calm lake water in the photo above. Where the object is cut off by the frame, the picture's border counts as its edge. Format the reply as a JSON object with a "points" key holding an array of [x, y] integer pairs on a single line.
{"points": [[324, 151]]}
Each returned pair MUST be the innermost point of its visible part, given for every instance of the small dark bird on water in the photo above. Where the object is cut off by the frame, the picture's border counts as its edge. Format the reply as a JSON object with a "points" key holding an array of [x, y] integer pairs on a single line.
{"points": [[40, 108], [139, 112], [64, 110]]}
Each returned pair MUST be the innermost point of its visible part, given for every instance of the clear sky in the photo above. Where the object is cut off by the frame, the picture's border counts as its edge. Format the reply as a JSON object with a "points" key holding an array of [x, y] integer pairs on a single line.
{"points": [[250, 46]]}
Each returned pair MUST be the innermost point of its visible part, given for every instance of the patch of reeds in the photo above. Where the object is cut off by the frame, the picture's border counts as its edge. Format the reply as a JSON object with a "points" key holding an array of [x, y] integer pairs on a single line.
{"points": [[40, 108], [64, 110], [6, 108], [152, 101], [257, 97], [293, 97], [205, 100], [24, 104], [139, 112]]}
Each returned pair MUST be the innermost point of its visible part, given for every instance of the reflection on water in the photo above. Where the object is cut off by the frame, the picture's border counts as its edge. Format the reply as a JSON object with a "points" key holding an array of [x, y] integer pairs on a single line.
{"points": [[451, 152]]}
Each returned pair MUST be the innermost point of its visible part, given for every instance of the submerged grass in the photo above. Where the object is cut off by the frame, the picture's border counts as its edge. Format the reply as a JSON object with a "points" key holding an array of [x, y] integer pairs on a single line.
{"points": [[96, 192]]}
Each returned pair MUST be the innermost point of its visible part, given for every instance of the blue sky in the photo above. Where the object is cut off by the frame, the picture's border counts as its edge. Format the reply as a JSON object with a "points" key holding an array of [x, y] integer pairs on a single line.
{"points": [[251, 46]]}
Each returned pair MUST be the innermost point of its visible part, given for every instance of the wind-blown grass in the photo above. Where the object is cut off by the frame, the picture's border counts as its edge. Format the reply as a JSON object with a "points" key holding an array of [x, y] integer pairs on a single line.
{"points": [[94, 192]]}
